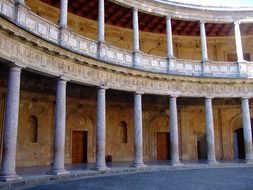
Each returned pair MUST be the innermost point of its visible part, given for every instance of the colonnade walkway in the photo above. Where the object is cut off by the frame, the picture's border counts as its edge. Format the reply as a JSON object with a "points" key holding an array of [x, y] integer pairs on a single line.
{"points": [[38, 175]]}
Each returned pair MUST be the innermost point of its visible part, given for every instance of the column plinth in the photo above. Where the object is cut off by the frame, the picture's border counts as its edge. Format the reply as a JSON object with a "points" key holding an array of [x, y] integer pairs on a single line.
{"points": [[247, 131], [8, 167], [211, 158]]}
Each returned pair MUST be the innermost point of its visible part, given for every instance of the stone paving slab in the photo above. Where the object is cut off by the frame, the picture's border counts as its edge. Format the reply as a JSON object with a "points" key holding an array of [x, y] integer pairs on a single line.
{"points": [[37, 179]]}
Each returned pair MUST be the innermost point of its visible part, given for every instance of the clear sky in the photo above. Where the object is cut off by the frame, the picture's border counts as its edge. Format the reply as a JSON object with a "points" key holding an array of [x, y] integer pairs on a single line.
{"points": [[218, 2]]}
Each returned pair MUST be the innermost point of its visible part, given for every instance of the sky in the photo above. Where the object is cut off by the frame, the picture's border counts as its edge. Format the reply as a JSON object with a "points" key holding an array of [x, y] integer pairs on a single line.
{"points": [[218, 2]]}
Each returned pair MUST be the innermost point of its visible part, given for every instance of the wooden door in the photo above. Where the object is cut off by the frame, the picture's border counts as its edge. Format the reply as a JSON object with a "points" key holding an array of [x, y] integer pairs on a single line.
{"points": [[79, 146], [163, 146]]}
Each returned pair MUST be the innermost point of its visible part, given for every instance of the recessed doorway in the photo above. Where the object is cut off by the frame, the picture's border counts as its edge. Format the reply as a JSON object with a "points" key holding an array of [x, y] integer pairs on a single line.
{"points": [[163, 146], [201, 146], [79, 146], [238, 143]]}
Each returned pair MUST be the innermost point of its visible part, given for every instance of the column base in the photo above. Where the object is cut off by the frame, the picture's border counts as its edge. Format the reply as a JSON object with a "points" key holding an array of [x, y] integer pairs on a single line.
{"points": [[100, 168], [249, 161], [139, 165], [176, 163], [58, 172], [9, 177], [212, 162]]}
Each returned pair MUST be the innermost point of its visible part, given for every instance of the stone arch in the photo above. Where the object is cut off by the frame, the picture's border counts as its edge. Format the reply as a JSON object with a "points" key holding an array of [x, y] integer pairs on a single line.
{"points": [[79, 121], [158, 123]]}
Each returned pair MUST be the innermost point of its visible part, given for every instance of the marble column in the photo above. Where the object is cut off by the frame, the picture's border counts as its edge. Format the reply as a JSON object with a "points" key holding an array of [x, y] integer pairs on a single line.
{"points": [[211, 159], [64, 14], [8, 168], [101, 130], [136, 43], [174, 145], [59, 129], [101, 21], [203, 42], [138, 144], [238, 42], [247, 130], [170, 53]]}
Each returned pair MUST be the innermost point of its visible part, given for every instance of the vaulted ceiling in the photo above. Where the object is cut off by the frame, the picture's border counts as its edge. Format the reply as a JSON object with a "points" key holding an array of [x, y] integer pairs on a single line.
{"points": [[121, 16]]}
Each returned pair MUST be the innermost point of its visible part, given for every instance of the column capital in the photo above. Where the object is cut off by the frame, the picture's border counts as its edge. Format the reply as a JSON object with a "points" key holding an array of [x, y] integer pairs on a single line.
{"points": [[245, 97], [202, 22], [176, 95], [135, 9], [139, 92], [103, 87], [237, 22], [63, 79], [209, 97]]}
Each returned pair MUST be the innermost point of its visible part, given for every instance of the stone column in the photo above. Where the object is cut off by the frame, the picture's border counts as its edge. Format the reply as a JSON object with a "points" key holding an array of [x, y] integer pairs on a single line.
{"points": [[8, 167], [100, 130], [247, 130], [174, 145], [203, 42], [238, 42], [136, 44], [64, 14], [170, 53], [211, 159], [59, 129], [101, 21], [138, 150]]}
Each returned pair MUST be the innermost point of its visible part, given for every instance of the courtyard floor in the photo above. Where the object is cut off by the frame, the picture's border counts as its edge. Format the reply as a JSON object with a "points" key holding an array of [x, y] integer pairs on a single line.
{"points": [[198, 179], [158, 175]]}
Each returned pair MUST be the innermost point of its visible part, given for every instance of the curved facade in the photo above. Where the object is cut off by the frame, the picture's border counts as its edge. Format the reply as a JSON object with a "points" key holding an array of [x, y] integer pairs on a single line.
{"points": [[177, 86]]}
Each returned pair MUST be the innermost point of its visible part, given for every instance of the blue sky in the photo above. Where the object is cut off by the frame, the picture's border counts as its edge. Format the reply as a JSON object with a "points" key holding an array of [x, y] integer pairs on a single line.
{"points": [[219, 2]]}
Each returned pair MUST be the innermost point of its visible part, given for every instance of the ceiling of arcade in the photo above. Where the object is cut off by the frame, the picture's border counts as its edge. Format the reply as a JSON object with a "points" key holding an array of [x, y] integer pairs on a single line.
{"points": [[121, 16]]}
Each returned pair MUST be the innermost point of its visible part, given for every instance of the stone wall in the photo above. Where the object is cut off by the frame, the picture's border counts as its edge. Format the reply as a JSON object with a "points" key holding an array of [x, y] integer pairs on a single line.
{"points": [[81, 115]]}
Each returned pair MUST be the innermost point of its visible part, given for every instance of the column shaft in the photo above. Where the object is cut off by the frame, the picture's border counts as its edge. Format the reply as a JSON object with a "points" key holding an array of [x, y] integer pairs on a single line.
{"points": [[100, 130], [170, 53], [59, 129], [238, 42], [8, 171], [136, 45], [174, 132], [203, 42], [64, 13], [247, 130], [138, 152], [101, 21], [211, 159]]}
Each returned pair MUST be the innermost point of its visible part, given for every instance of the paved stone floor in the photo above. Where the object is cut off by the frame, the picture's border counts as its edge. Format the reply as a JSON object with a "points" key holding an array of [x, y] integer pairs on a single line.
{"points": [[190, 179]]}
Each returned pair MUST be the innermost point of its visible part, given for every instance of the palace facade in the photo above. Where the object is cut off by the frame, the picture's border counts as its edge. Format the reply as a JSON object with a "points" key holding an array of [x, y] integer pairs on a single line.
{"points": [[121, 80]]}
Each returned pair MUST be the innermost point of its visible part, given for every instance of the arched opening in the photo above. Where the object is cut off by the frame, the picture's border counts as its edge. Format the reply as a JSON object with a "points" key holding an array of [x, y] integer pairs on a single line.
{"points": [[238, 144], [123, 132], [33, 129]]}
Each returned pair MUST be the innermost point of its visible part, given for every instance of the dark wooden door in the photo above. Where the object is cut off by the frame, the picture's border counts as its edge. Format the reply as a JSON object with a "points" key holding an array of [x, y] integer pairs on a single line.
{"points": [[79, 146], [163, 146]]}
